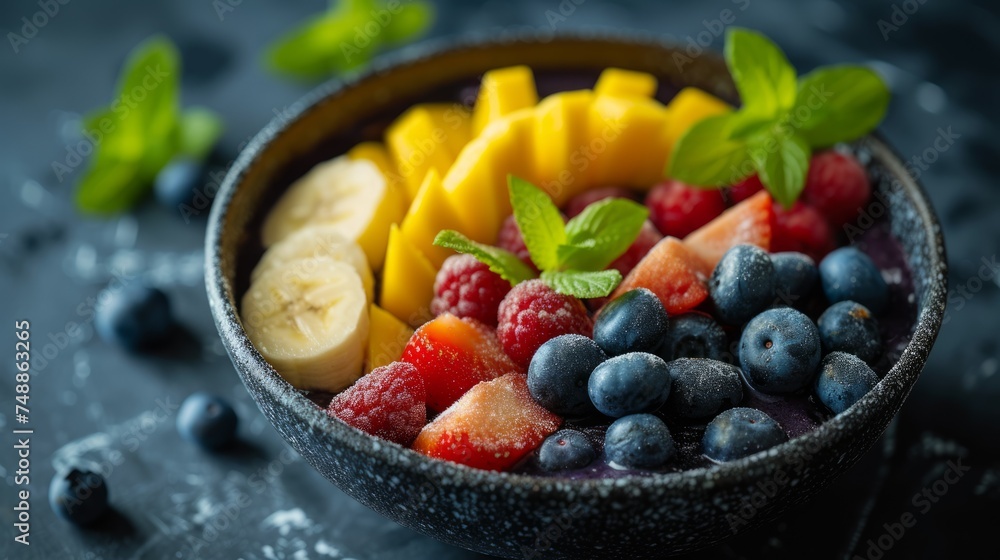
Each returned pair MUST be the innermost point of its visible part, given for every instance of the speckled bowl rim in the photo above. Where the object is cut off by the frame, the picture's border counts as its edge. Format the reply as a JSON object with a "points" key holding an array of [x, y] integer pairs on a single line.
{"points": [[891, 390]]}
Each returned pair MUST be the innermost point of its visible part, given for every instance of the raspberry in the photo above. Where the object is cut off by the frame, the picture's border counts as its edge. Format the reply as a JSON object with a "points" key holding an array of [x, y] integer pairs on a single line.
{"points": [[510, 239], [745, 189], [837, 186], [585, 199], [677, 209], [389, 402], [801, 228], [533, 313], [468, 288]]}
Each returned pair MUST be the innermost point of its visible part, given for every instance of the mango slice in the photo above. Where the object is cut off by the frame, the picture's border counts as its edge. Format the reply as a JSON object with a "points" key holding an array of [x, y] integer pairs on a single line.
{"points": [[431, 212], [456, 122], [407, 281], [628, 142], [503, 91], [417, 145], [625, 83], [561, 137], [387, 336]]}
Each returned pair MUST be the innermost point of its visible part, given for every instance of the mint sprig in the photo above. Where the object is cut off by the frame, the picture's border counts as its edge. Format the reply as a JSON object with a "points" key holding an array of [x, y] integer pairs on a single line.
{"points": [[142, 130], [347, 35], [781, 121], [571, 256]]}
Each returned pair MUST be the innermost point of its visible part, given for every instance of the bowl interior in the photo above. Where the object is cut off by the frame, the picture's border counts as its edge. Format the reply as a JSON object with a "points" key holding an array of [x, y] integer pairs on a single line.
{"points": [[336, 116]]}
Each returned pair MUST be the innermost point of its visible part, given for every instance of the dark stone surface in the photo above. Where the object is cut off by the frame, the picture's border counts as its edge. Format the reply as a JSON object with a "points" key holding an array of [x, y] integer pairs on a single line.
{"points": [[259, 500]]}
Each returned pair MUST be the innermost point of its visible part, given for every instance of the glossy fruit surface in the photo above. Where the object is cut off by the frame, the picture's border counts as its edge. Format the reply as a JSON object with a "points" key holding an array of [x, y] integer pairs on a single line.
{"points": [[560, 371], [632, 322], [630, 384], [780, 351]]}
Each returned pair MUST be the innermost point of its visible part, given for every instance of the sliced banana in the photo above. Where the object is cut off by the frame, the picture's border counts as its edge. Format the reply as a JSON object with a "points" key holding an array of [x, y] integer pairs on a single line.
{"points": [[342, 192], [310, 321], [316, 242]]}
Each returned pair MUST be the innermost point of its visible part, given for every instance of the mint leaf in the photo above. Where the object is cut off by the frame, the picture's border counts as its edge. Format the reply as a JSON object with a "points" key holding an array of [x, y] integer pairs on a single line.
{"points": [[782, 161], [110, 185], [325, 44], [199, 131], [539, 220], [841, 103], [410, 21], [503, 262], [706, 155], [601, 233], [583, 284], [763, 75]]}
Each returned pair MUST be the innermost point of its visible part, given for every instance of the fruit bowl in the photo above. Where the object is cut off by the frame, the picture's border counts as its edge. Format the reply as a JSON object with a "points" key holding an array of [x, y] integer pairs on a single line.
{"points": [[520, 515]]}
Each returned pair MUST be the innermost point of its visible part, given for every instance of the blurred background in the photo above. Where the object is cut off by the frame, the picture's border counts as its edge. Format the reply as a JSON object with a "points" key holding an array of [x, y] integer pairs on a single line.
{"points": [[92, 402]]}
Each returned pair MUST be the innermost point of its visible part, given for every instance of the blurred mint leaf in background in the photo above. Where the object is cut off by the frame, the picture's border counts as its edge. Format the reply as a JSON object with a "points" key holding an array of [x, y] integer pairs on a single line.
{"points": [[347, 35], [142, 130]]}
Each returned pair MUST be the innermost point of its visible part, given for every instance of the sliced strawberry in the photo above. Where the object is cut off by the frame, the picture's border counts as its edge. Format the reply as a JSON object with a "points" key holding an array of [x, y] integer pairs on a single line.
{"points": [[673, 273], [454, 354], [803, 229], [390, 402], [749, 222], [492, 427]]}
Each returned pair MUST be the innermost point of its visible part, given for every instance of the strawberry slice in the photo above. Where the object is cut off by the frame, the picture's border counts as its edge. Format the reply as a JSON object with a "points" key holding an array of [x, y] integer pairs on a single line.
{"points": [[389, 402], [492, 427], [749, 222], [673, 273], [453, 354]]}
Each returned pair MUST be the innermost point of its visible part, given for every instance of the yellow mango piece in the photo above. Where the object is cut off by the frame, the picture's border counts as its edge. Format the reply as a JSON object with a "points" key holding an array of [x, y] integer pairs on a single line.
{"points": [[456, 122], [407, 281], [387, 336], [628, 144], [374, 238], [417, 145], [503, 91], [561, 137], [689, 106], [625, 83], [511, 147], [430, 212], [468, 184]]}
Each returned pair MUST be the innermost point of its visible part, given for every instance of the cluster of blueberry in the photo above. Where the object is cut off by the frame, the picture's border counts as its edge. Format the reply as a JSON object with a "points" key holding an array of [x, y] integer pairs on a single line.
{"points": [[644, 369]]}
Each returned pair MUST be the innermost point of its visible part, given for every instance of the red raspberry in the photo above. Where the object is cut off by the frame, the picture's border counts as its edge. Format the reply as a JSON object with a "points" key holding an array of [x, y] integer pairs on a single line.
{"points": [[390, 402], [510, 238], [533, 313], [585, 199], [677, 209], [647, 238], [801, 228], [468, 288], [837, 186], [745, 189]]}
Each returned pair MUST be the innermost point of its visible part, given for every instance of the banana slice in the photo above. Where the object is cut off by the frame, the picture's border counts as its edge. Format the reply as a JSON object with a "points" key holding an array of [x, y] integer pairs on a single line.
{"points": [[310, 321], [316, 242], [342, 192]]}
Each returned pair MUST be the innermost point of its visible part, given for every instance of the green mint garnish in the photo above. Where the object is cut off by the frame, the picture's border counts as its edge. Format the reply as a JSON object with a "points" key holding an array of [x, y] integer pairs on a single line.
{"points": [[572, 256], [347, 35], [781, 121], [141, 130], [501, 261]]}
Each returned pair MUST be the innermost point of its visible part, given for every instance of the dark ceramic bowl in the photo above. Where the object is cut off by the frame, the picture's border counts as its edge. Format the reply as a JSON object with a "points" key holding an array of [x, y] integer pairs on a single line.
{"points": [[514, 515]]}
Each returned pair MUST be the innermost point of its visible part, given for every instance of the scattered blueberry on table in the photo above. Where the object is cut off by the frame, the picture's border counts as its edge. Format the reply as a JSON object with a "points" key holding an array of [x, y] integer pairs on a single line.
{"points": [[79, 495], [207, 420], [134, 316]]}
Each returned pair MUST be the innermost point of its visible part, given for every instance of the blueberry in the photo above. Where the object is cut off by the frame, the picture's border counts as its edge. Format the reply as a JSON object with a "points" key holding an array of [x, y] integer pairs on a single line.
{"points": [[630, 383], [79, 495], [843, 380], [849, 274], [207, 420], [848, 326], [559, 371], [566, 449], [795, 277], [701, 388], [780, 350], [638, 441], [133, 316], [632, 322], [739, 432], [694, 335], [742, 284], [176, 183]]}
